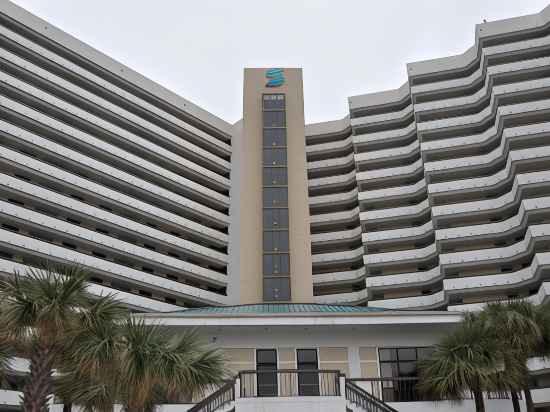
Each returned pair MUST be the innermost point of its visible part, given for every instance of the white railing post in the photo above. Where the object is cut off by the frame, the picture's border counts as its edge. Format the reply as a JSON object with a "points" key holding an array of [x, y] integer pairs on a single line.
{"points": [[237, 387]]}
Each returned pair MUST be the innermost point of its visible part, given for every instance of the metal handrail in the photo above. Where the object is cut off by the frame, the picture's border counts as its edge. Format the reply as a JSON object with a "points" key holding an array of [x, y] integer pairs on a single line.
{"points": [[289, 383], [216, 400], [365, 400], [404, 389]]}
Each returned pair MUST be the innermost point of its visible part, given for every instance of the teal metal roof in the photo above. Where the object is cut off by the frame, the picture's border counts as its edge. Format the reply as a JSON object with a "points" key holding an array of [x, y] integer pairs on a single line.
{"points": [[276, 308]]}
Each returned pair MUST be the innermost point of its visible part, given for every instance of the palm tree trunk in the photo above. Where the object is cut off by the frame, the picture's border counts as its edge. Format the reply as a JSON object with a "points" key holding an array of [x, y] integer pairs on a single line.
{"points": [[530, 406], [39, 385], [515, 401], [478, 399]]}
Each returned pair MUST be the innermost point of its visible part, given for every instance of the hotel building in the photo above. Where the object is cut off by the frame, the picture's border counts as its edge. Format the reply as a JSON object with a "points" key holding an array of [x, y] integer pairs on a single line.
{"points": [[423, 202]]}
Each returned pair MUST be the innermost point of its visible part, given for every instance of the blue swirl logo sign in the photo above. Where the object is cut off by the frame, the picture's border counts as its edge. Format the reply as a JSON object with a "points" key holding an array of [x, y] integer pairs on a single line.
{"points": [[275, 77]]}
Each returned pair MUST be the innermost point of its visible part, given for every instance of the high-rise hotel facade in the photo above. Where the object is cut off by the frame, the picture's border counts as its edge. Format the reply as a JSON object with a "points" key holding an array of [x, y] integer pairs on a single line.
{"points": [[371, 233], [434, 195]]}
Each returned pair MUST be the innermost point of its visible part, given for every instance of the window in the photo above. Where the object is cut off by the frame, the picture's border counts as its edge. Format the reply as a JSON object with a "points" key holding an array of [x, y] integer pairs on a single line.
{"points": [[276, 241], [274, 119], [308, 382], [274, 137], [400, 363], [276, 289], [274, 157], [275, 218], [276, 265], [275, 176], [275, 197], [266, 360], [274, 102]]}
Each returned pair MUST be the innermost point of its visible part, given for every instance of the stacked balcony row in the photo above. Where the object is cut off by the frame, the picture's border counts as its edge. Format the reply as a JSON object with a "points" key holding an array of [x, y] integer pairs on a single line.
{"points": [[337, 252], [104, 168], [476, 226]]}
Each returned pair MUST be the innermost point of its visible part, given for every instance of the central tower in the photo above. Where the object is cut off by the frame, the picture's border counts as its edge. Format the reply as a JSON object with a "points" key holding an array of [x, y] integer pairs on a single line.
{"points": [[270, 192]]}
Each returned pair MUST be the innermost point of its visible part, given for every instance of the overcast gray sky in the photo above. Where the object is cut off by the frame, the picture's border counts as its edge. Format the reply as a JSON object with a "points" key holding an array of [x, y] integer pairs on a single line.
{"points": [[198, 48]]}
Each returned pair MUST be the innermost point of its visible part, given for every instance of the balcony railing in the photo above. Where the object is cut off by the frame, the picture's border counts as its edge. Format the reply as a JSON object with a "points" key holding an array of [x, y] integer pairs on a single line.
{"points": [[225, 395], [405, 390], [289, 383]]}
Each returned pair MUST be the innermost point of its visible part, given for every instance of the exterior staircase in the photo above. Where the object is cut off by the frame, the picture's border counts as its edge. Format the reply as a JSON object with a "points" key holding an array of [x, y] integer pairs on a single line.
{"points": [[288, 391]]}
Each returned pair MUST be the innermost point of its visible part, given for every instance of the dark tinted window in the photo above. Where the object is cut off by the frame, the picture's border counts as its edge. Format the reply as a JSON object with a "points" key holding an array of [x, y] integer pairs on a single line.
{"points": [[275, 218], [274, 137], [266, 360], [276, 289], [274, 102], [276, 241], [276, 265], [275, 176], [274, 119], [274, 157], [275, 197]]}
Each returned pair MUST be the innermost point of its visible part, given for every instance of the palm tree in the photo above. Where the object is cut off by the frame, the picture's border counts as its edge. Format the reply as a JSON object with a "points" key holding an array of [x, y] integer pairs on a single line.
{"points": [[141, 366], [465, 360], [155, 363], [6, 353], [38, 311], [523, 331], [102, 354]]}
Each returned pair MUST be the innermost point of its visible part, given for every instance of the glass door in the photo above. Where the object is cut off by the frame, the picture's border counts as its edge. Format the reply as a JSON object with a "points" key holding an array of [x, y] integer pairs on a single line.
{"points": [[308, 382], [266, 360]]}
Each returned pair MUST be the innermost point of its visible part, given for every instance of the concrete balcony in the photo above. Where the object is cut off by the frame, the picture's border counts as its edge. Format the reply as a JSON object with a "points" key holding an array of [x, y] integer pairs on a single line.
{"points": [[489, 229], [380, 155], [348, 276], [206, 156], [386, 97], [403, 279], [349, 298], [538, 298], [382, 118], [334, 163], [541, 262], [95, 238], [480, 183], [483, 71], [397, 235], [492, 111], [337, 257], [396, 212], [330, 147], [368, 196], [190, 167], [534, 233], [333, 199], [421, 302], [494, 132], [49, 250], [106, 217], [215, 143], [390, 172], [88, 139], [120, 198], [399, 256], [336, 217], [123, 178], [331, 181], [136, 302], [507, 199], [386, 135], [500, 153], [342, 235], [488, 88]]}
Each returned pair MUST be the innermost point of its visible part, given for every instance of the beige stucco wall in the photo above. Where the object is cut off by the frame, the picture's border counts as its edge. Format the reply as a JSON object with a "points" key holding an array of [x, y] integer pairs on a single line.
{"points": [[248, 151]]}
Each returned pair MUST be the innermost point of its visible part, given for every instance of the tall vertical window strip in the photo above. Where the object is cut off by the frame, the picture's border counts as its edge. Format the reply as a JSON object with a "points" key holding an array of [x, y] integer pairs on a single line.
{"points": [[276, 257]]}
